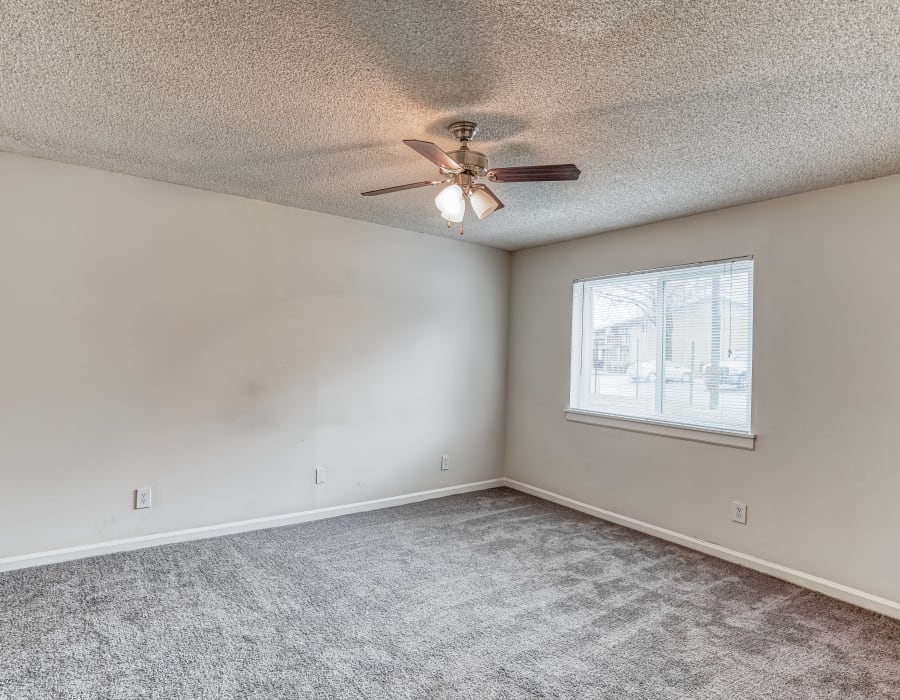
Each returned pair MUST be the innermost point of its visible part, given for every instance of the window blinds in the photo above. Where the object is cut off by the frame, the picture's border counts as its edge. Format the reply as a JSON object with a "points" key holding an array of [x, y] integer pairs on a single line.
{"points": [[672, 346]]}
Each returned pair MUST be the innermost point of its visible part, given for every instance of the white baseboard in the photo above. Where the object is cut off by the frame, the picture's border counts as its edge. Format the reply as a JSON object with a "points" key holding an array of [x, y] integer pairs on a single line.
{"points": [[197, 533], [830, 588], [833, 589]]}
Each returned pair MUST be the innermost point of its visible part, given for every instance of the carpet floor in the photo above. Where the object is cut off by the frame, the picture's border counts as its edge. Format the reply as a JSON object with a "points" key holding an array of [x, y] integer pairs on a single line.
{"points": [[492, 594]]}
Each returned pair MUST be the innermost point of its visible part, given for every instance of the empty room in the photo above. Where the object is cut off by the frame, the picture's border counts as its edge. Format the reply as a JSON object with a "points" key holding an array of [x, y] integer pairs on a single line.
{"points": [[484, 351]]}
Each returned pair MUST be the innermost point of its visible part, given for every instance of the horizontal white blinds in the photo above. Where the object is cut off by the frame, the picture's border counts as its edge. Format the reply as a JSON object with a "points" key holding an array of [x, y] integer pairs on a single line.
{"points": [[670, 345]]}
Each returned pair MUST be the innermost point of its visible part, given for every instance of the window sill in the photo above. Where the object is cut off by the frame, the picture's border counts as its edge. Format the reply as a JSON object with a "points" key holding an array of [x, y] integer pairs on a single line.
{"points": [[714, 437]]}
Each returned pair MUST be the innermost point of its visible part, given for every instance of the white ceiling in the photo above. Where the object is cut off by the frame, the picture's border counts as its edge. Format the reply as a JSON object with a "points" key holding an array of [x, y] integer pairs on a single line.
{"points": [[668, 108]]}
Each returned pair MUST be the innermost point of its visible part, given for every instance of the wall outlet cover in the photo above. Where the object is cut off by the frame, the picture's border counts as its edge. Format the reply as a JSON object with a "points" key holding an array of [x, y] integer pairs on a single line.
{"points": [[739, 512], [320, 475], [143, 497], [445, 462]]}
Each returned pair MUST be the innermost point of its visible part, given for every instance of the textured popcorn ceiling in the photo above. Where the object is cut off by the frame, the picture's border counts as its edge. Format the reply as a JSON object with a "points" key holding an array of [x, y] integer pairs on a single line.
{"points": [[668, 108]]}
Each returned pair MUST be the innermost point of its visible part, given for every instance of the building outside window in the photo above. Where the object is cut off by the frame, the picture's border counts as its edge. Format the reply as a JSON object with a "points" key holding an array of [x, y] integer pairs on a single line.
{"points": [[672, 346]]}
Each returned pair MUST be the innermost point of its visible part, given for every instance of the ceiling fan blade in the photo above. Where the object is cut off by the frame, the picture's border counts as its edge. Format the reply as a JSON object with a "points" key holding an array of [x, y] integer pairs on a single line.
{"points": [[534, 173], [398, 188], [484, 202], [433, 153]]}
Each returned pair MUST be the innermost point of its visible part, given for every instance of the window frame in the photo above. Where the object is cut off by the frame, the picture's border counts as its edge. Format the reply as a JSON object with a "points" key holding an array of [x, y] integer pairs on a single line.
{"points": [[657, 424]]}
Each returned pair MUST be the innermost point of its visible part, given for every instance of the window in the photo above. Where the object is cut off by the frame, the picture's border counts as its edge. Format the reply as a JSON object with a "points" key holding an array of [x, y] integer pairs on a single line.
{"points": [[670, 347]]}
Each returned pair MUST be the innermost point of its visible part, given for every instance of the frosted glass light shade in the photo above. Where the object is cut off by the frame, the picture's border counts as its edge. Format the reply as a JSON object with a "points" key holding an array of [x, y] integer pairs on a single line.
{"points": [[482, 203], [451, 203]]}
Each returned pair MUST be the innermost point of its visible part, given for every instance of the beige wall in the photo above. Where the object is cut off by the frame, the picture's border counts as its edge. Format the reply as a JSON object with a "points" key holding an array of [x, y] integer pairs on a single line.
{"points": [[218, 349], [823, 483]]}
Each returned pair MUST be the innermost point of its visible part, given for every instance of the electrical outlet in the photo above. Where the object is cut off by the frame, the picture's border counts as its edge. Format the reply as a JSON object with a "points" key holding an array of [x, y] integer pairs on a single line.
{"points": [[143, 497], [739, 512], [445, 462], [320, 475]]}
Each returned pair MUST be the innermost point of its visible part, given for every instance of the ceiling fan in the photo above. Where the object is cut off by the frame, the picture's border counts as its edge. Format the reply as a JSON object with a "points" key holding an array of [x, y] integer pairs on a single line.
{"points": [[463, 168]]}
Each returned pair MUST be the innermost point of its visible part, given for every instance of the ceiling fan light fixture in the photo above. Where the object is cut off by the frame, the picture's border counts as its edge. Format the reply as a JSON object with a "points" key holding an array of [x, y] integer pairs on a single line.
{"points": [[482, 203], [464, 167], [451, 203]]}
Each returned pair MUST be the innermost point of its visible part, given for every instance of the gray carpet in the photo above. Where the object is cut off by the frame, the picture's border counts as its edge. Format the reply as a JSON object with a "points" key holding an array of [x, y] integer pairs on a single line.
{"points": [[487, 595]]}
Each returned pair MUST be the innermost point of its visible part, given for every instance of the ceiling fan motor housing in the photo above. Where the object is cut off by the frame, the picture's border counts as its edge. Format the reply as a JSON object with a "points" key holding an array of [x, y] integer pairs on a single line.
{"points": [[473, 162]]}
